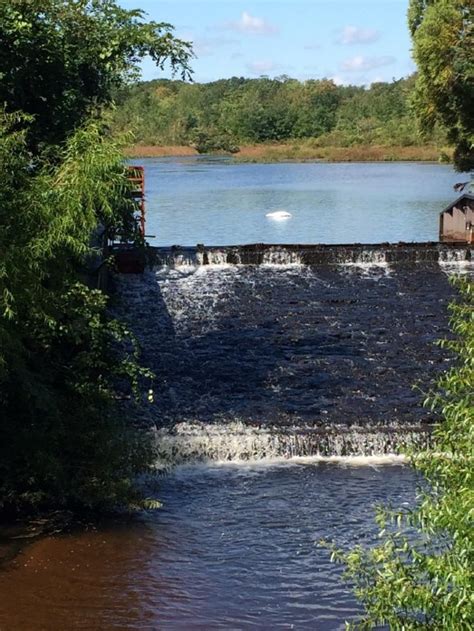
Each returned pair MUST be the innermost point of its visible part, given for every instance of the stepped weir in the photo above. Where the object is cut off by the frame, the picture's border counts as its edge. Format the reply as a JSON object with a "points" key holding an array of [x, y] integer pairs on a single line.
{"points": [[268, 351]]}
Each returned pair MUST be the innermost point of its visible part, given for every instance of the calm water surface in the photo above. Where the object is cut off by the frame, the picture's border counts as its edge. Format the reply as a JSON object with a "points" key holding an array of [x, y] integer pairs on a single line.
{"points": [[217, 202], [232, 548]]}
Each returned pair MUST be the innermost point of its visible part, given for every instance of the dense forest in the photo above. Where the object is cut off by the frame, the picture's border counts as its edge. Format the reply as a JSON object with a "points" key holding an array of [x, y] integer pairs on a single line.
{"points": [[231, 112]]}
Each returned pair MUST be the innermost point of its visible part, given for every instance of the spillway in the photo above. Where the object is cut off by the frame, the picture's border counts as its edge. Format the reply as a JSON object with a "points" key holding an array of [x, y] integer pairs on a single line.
{"points": [[282, 351]]}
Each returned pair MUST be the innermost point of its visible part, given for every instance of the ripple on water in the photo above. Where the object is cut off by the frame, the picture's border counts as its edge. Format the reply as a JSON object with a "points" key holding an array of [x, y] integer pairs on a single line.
{"points": [[289, 345], [233, 547]]}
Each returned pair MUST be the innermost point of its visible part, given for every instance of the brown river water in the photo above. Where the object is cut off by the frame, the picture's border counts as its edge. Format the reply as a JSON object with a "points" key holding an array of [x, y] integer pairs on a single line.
{"points": [[234, 547]]}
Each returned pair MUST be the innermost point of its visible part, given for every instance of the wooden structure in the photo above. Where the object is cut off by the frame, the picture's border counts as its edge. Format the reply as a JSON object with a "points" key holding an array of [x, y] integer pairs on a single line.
{"points": [[129, 258], [136, 176], [456, 223]]}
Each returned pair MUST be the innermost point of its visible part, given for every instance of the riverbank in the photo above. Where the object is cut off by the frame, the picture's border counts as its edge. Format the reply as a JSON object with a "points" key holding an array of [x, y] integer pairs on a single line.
{"points": [[307, 152]]}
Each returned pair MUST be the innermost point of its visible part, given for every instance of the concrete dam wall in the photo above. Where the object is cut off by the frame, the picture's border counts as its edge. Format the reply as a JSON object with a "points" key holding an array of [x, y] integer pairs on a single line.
{"points": [[314, 254], [295, 350]]}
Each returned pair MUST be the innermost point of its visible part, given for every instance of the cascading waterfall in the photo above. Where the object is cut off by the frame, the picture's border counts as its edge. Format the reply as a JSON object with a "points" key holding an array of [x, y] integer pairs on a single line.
{"points": [[456, 255], [237, 442], [356, 254], [268, 352]]}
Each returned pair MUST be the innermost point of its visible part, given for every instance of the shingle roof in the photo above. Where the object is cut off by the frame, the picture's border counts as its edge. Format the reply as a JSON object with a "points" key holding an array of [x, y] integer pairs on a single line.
{"points": [[455, 203]]}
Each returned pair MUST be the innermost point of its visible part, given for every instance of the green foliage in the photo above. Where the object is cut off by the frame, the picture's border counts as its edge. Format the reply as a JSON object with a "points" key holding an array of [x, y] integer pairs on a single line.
{"points": [[60, 60], [209, 142], [235, 111], [443, 38], [63, 361], [421, 574]]}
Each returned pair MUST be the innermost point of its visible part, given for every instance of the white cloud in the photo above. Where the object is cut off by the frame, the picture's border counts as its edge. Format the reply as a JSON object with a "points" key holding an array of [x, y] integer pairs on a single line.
{"points": [[252, 25], [356, 35], [338, 80], [359, 63], [202, 49], [262, 67]]}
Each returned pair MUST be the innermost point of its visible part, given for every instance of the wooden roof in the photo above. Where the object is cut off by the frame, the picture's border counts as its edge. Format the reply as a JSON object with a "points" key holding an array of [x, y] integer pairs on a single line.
{"points": [[469, 196]]}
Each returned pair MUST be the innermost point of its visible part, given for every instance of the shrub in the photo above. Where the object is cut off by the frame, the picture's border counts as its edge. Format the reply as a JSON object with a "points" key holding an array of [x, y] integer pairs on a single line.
{"points": [[421, 574], [63, 361]]}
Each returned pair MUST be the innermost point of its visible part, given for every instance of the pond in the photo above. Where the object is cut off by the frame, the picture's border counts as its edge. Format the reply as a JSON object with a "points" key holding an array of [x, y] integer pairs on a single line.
{"points": [[216, 201]]}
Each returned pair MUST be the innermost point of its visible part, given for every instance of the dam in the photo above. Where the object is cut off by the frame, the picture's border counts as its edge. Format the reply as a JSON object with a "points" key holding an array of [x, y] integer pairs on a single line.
{"points": [[283, 391], [291, 350]]}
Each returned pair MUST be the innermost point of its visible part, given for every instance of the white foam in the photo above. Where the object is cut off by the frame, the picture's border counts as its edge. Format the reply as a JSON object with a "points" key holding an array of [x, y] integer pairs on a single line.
{"points": [[238, 443], [252, 468], [379, 269], [455, 255], [457, 268], [349, 461]]}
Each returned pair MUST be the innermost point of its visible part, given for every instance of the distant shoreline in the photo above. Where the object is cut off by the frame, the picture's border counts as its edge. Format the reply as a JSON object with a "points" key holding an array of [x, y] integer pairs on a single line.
{"points": [[303, 152]]}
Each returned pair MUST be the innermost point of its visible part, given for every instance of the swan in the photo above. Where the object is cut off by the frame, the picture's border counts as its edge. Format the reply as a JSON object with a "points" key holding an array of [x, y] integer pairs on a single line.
{"points": [[279, 214]]}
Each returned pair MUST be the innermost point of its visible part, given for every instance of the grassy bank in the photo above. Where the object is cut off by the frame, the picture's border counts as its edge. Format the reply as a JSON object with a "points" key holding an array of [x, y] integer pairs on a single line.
{"points": [[159, 151], [301, 152]]}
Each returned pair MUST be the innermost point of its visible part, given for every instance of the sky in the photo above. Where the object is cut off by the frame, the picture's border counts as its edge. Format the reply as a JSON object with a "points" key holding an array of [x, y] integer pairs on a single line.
{"points": [[349, 41]]}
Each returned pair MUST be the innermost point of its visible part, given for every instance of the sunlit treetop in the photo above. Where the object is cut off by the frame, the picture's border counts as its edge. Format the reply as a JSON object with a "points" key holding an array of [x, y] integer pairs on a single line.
{"points": [[62, 59], [443, 39]]}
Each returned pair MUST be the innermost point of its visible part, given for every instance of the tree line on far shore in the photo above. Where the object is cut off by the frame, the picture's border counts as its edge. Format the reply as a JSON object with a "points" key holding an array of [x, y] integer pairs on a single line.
{"points": [[225, 114]]}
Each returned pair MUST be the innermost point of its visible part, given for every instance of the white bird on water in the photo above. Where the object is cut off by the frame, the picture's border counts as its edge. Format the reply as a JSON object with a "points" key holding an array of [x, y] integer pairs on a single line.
{"points": [[279, 215]]}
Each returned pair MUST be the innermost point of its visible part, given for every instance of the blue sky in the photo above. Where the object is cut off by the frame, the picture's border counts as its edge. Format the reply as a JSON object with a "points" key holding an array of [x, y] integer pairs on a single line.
{"points": [[350, 41]]}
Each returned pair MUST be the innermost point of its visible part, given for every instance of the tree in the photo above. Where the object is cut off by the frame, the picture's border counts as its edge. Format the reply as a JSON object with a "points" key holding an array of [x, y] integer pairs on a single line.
{"points": [[443, 41], [64, 362], [316, 108], [62, 60], [421, 574], [240, 110]]}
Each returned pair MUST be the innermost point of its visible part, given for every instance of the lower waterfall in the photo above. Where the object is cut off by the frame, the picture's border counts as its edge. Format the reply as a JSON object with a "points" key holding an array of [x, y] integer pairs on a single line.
{"points": [[240, 443]]}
